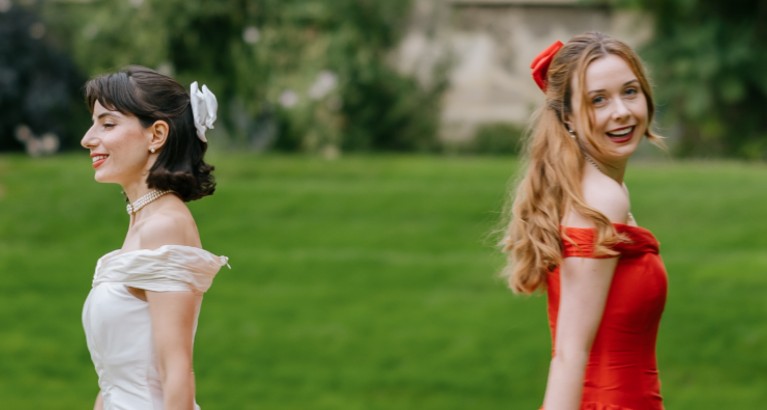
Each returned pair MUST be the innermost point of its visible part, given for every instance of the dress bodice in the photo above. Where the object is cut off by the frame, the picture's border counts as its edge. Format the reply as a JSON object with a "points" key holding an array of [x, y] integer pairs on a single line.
{"points": [[165, 269], [621, 372], [117, 324]]}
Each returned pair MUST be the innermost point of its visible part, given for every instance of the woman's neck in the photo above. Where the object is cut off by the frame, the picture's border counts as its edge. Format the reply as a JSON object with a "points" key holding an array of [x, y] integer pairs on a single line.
{"points": [[615, 171], [135, 191]]}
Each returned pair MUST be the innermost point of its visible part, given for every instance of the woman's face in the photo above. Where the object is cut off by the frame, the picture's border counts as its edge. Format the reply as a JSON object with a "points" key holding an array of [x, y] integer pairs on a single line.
{"points": [[119, 147], [617, 106]]}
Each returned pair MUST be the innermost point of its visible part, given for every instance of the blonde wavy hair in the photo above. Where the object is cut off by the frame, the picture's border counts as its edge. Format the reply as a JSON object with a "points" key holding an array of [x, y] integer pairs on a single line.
{"points": [[551, 183]]}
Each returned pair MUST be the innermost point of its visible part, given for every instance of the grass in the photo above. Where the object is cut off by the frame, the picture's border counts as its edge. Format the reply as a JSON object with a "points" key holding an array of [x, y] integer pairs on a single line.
{"points": [[369, 283]]}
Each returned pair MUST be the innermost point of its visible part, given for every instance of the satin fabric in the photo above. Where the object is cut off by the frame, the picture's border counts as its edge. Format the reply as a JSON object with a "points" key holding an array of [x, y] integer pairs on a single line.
{"points": [[117, 324], [622, 372]]}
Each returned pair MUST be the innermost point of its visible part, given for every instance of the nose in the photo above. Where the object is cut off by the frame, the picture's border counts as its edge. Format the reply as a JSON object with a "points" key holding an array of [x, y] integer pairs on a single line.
{"points": [[88, 140], [620, 111]]}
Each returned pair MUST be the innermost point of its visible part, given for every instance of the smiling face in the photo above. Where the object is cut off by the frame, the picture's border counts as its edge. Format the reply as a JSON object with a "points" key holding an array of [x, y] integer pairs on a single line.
{"points": [[616, 106], [119, 147]]}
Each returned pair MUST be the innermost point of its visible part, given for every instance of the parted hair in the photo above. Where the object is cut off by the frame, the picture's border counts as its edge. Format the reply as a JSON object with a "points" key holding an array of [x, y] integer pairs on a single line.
{"points": [[551, 182], [151, 96]]}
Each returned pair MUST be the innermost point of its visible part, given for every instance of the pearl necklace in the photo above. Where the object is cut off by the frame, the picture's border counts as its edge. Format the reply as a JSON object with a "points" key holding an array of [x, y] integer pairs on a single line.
{"points": [[145, 200]]}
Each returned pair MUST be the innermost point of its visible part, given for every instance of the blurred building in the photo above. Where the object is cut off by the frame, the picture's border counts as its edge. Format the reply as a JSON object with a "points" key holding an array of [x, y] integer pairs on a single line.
{"points": [[486, 46]]}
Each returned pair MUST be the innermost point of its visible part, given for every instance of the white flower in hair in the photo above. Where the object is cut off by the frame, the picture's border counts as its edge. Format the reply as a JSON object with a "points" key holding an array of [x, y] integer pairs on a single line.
{"points": [[204, 107]]}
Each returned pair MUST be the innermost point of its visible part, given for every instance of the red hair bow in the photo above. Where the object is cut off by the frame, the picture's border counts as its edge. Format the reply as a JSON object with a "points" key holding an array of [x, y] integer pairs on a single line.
{"points": [[541, 63]]}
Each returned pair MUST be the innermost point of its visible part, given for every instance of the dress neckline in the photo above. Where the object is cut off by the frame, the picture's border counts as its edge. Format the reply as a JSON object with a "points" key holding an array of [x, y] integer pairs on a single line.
{"points": [[617, 225], [632, 230], [119, 252]]}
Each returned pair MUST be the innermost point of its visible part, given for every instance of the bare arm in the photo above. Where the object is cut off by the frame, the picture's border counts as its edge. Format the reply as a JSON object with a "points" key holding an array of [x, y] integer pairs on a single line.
{"points": [[99, 405], [584, 285], [173, 316]]}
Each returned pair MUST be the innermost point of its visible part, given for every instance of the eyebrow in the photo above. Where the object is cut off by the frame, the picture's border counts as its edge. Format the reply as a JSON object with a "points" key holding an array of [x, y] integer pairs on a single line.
{"points": [[624, 84], [104, 114]]}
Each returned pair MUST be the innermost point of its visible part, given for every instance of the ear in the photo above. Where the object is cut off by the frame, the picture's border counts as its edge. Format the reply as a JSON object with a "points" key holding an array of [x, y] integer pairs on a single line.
{"points": [[568, 122], [158, 135]]}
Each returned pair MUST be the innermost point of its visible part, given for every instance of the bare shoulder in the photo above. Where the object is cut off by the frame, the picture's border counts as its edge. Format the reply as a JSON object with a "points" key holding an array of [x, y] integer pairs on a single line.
{"points": [[171, 224], [605, 195]]}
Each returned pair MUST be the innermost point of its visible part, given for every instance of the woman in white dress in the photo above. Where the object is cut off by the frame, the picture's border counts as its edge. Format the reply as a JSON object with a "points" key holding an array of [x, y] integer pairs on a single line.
{"points": [[148, 136]]}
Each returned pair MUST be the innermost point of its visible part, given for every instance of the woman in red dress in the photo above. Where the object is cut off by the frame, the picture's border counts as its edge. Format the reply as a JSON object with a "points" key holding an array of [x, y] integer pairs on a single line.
{"points": [[571, 230]]}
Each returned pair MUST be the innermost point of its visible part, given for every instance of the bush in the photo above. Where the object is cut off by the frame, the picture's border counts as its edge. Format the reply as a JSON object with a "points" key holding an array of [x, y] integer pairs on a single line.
{"points": [[708, 59], [39, 86], [290, 75], [490, 139]]}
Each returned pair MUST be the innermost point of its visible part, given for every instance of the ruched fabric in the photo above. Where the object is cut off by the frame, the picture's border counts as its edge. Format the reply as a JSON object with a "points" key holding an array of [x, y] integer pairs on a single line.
{"points": [[622, 372], [169, 268], [117, 324], [602, 406]]}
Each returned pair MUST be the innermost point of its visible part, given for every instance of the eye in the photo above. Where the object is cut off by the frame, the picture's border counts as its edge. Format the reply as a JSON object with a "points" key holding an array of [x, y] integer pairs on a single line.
{"points": [[631, 91], [598, 100]]}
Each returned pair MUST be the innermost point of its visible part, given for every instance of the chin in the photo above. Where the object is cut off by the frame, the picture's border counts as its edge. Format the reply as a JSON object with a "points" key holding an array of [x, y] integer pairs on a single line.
{"points": [[104, 179], [624, 149], [624, 152]]}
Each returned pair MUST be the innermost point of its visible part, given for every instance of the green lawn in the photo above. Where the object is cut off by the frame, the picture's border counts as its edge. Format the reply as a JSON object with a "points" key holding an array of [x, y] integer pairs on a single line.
{"points": [[369, 283]]}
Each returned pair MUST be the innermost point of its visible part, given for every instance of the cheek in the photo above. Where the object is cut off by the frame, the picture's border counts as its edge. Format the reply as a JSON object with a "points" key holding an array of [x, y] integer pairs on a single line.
{"points": [[642, 110], [127, 152], [601, 119]]}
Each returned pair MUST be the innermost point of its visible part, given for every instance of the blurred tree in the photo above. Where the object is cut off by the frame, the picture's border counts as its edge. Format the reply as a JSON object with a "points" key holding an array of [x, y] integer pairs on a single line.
{"points": [[709, 58], [39, 86], [290, 74]]}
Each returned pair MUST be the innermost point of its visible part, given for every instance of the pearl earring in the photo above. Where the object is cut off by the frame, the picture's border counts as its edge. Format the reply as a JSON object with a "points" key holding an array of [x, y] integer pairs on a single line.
{"points": [[151, 150]]}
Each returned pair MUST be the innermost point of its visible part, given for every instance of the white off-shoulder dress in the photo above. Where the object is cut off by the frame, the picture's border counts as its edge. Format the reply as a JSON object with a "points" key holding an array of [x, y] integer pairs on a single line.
{"points": [[117, 324]]}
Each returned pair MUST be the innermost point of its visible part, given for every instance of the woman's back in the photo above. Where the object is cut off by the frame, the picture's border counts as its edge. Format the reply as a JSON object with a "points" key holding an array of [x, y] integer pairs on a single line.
{"points": [[117, 324], [621, 370]]}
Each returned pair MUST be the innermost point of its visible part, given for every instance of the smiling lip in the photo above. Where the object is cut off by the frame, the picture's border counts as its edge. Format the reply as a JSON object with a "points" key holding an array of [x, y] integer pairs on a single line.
{"points": [[98, 159], [621, 137]]}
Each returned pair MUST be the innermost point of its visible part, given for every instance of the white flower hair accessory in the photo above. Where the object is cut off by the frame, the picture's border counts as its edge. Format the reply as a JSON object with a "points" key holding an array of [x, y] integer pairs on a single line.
{"points": [[204, 107]]}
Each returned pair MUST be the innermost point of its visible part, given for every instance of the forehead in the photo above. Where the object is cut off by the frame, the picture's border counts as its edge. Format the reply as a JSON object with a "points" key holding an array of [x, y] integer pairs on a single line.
{"points": [[608, 72], [101, 111]]}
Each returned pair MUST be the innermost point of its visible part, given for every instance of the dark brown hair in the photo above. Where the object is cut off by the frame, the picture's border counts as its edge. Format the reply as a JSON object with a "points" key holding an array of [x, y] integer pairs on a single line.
{"points": [[151, 96]]}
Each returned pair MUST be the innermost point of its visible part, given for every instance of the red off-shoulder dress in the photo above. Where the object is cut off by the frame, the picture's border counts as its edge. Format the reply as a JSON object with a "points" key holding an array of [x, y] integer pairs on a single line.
{"points": [[622, 372]]}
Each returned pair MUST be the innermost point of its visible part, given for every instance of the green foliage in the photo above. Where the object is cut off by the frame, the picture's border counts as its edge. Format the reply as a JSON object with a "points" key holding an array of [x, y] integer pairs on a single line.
{"points": [[708, 59], [404, 118], [369, 283], [40, 97], [498, 139], [294, 75]]}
